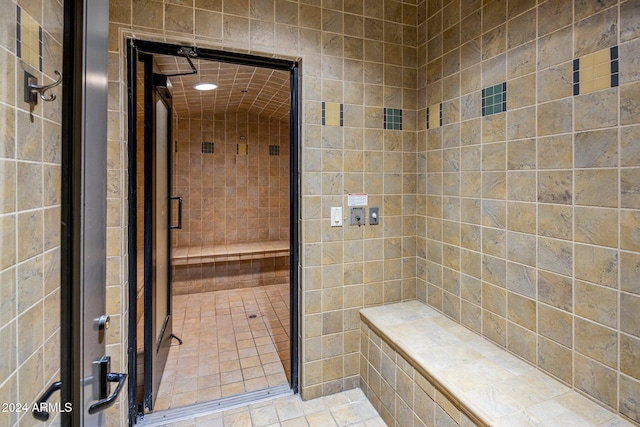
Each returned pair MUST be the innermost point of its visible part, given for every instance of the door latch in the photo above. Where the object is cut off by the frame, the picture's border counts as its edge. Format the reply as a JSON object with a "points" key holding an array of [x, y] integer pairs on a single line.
{"points": [[102, 377], [101, 386]]}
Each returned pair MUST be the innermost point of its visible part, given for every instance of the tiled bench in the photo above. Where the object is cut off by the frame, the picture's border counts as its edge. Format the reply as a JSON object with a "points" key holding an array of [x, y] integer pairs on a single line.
{"points": [[221, 267], [421, 368], [207, 254]]}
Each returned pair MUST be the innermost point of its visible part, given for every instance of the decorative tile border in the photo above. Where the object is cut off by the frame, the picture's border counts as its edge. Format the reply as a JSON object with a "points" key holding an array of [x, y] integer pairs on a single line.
{"points": [[28, 39], [393, 119], [596, 71], [207, 148], [332, 114], [434, 116], [274, 150], [494, 99]]}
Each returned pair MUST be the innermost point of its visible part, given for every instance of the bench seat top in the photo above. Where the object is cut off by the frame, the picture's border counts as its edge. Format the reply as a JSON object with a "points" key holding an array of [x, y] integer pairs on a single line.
{"points": [[229, 252], [491, 386]]}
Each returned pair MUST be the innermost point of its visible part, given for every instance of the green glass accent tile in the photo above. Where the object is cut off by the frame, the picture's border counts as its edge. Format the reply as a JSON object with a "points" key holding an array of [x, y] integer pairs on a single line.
{"points": [[494, 99], [393, 118], [207, 148]]}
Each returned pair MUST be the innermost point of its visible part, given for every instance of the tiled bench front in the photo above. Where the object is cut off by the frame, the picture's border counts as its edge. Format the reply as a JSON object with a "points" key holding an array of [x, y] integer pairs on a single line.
{"points": [[207, 254], [420, 368], [221, 267]]}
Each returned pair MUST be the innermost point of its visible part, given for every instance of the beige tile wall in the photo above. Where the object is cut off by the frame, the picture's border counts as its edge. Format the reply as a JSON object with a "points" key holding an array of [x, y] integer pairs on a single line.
{"points": [[511, 224], [30, 156], [228, 197], [362, 53], [528, 228]]}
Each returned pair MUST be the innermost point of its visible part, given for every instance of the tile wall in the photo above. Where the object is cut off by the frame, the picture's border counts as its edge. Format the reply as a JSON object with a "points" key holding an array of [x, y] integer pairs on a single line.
{"points": [[520, 224], [230, 197], [30, 155], [528, 228], [363, 55]]}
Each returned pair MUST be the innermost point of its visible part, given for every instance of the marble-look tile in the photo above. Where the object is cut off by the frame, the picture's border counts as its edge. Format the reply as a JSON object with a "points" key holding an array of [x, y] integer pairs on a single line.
{"points": [[555, 152], [596, 303], [494, 213], [629, 190], [629, 104], [586, 182], [596, 149], [555, 290], [629, 270], [522, 311], [629, 235], [596, 341], [629, 392], [30, 234], [555, 255], [555, 117], [629, 27], [522, 279], [555, 221], [521, 248], [494, 185], [585, 8], [553, 16], [596, 32], [521, 123], [555, 359], [594, 225], [555, 48], [521, 217], [520, 187], [555, 82], [494, 70], [494, 42], [595, 379], [521, 60], [29, 179], [596, 264], [521, 29], [555, 187], [596, 110], [556, 325], [494, 299], [629, 66], [629, 306], [148, 13], [630, 355]]}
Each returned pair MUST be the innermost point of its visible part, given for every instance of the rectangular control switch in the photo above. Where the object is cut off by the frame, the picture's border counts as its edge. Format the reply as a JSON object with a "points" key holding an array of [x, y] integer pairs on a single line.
{"points": [[336, 216], [374, 216]]}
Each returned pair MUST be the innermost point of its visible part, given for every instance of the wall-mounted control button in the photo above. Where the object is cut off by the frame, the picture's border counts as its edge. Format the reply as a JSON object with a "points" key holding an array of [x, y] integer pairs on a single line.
{"points": [[374, 216], [357, 216], [336, 216]]}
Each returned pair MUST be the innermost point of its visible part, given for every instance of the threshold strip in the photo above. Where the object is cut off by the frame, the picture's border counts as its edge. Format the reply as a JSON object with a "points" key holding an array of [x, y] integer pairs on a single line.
{"points": [[161, 418]]}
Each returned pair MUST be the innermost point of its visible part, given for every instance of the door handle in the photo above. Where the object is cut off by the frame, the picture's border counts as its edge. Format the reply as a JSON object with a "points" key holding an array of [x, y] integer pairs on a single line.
{"points": [[37, 413], [103, 404], [101, 379], [179, 226]]}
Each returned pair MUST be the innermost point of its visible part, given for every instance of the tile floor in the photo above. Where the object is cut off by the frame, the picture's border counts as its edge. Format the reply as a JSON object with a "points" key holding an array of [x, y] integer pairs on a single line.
{"points": [[226, 351], [348, 408]]}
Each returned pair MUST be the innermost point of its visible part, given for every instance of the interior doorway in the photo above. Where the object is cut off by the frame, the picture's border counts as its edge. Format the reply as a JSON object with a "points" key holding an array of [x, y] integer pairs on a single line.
{"points": [[214, 212]]}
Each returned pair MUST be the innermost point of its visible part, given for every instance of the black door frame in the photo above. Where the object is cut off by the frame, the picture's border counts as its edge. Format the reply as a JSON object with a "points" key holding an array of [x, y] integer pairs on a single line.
{"points": [[135, 46], [158, 343]]}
